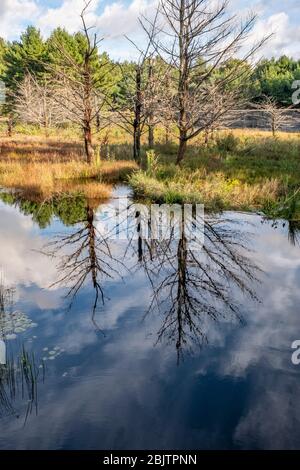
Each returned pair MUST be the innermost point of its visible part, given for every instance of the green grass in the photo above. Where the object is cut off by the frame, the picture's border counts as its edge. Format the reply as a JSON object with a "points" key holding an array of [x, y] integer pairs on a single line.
{"points": [[249, 171]]}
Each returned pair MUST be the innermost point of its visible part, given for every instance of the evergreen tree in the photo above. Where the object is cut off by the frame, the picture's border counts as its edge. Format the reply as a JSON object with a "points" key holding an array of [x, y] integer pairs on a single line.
{"points": [[68, 49], [276, 77], [60, 40], [245, 79], [30, 54], [3, 48]]}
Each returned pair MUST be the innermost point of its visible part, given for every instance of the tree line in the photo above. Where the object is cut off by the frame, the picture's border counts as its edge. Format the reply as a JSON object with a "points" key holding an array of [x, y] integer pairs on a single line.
{"points": [[186, 75]]}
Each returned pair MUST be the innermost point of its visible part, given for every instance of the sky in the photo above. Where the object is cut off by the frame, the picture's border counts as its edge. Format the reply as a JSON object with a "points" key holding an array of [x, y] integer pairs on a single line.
{"points": [[114, 19]]}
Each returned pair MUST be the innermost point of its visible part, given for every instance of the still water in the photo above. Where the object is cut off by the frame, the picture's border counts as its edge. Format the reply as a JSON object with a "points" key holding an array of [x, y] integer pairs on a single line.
{"points": [[127, 344]]}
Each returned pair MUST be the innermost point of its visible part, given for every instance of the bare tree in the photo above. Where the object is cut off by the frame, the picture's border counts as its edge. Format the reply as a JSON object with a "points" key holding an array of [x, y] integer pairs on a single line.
{"points": [[196, 37], [142, 106], [78, 88], [131, 111], [218, 108], [35, 103], [156, 96], [276, 116]]}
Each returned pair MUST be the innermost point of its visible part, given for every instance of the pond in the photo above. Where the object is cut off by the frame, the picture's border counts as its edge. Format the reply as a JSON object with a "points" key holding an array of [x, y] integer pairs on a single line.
{"points": [[114, 343]]}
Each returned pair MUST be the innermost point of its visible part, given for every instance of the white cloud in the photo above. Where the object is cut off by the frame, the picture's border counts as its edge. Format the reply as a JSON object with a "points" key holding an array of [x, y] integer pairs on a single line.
{"points": [[15, 15], [67, 15], [118, 18], [19, 264], [285, 37]]}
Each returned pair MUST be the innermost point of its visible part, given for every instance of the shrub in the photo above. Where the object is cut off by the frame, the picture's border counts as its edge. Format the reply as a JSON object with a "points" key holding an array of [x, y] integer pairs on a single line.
{"points": [[227, 143]]}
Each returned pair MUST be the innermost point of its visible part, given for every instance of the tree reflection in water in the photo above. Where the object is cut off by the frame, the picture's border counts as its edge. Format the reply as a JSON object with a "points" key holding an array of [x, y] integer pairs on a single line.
{"points": [[190, 286], [294, 232], [84, 254]]}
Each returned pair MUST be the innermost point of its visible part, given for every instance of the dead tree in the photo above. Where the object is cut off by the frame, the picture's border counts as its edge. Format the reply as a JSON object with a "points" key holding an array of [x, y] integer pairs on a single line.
{"points": [[78, 89], [141, 106], [138, 109], [151, 116], [196, 37], [276, 117], [35, 103], [10, 125], [155, 96], [218, 109], [130, 112]]}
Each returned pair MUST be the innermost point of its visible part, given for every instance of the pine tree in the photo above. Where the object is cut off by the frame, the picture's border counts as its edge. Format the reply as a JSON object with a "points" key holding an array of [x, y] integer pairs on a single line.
{"points": [[3, 47], [30, 54], [276, 78]]}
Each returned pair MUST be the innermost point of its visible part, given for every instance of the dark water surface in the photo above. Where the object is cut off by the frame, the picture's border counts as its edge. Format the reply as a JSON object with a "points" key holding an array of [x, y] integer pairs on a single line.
{"points": [[107, 369]]}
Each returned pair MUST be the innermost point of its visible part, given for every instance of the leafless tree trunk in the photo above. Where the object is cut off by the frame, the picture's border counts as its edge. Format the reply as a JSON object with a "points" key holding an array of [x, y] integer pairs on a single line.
{"points": [[9, 126], [196, 37], [137, 124], [151, 110], [77, 87], [88, 96], [276, 116]]}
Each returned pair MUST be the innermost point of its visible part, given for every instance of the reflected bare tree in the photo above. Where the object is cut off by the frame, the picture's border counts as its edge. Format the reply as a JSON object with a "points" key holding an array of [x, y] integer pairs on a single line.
{"points": [[189, 287], [84, 254], [294, 232]]}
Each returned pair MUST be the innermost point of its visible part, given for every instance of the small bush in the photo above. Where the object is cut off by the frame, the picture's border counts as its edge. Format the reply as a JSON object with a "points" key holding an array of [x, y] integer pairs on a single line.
{"points": [[227, 143]]}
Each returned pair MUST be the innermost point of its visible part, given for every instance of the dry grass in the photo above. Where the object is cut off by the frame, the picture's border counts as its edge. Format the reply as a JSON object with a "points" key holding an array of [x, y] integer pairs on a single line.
{"points": [[43, 167], [47, 178]]}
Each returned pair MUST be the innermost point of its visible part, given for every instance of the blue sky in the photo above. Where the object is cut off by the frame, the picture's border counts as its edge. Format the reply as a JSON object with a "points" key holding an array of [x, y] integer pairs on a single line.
{"points": [[116, 18]]}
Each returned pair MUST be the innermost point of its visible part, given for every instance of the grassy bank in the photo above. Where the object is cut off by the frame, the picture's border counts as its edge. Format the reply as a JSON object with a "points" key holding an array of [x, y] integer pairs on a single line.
{"points": [[239, 170], [244, 170], [40, 167]]}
